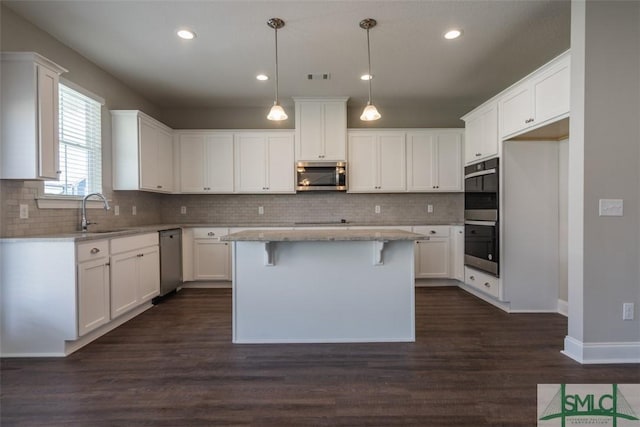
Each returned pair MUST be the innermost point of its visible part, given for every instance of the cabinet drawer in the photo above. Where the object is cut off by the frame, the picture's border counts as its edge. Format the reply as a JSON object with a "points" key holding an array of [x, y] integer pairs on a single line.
{"points": [[432, 230], [209, 233], [482, 281], [92, 250], [124, 244]]}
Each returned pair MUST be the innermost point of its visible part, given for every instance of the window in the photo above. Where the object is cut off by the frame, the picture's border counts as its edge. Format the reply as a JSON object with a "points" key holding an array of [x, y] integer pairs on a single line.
{"points": [[80, 145]]}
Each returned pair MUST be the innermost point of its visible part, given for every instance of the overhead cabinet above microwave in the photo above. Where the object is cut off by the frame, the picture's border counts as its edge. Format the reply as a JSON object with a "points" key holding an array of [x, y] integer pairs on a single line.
{"points": [[321, 128]]}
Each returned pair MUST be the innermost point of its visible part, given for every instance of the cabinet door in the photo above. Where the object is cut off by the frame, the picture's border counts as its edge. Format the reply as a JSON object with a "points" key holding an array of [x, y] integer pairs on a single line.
{"points": [[124, 283], [250, 170], [516, 109], [432, 258], [363, 163], [164, 169], [392, 163], [335, 131], [310, 126], [420, 161], [551, 92], [148, 156], [219, 170], [192, 163], [481, 134], [93, 295], [447, 163], [148, 273], [48, 157], [212, 260], [280, 164]]}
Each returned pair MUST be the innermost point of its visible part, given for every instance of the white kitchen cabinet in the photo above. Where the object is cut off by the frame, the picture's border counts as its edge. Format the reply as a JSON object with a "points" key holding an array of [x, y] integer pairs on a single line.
{"points": [[93, 285], [481, 133], [432, 254], [135, 272], [206, 161], [539, 99], [211, 257], [264, 162], [377, 162], [457, 252], [321, 128], [482, 282], [142, 152], [29, 112], [434, 160]]}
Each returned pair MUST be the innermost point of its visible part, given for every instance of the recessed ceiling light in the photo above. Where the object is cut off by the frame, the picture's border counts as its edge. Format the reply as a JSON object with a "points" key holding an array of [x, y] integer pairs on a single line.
{"points": [[452, 34], [262, 77], [186, 34], [366, 77]]}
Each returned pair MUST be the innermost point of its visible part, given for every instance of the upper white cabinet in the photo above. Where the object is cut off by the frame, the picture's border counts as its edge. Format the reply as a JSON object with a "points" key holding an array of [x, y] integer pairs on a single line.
{"points": [[541, 98], [321, 128], [264, 162], [481, 133], [206, 161], [29, 108], [142, 152], [434, 160], [377, 162]]}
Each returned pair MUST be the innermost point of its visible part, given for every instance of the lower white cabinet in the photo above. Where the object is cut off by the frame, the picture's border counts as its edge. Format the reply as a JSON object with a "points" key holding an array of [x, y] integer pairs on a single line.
{"points": [[457, 252], [135, 272], [93, 285], [432, 255], [482, 281], [211, 257]]}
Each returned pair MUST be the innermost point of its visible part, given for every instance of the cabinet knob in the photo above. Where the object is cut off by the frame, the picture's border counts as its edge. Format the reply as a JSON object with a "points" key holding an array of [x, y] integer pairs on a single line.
{"points": [[158, 186], [211, 233], [478, 154], [487, 284], [94, 250], [432, 231], [472, 278], [140, 255]]}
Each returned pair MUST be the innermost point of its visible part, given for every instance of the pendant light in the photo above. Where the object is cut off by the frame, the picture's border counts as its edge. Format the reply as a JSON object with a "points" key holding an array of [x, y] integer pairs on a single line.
{"points": [[370, 112], [277, 112]]}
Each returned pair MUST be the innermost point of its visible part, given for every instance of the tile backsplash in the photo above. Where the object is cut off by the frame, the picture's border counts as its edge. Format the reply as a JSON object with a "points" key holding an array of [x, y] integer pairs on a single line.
{"points": [[153, 208]]}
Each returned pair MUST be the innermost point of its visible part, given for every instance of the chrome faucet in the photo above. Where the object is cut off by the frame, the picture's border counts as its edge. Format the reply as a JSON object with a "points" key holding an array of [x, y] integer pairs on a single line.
{"points": [[85, 223]]}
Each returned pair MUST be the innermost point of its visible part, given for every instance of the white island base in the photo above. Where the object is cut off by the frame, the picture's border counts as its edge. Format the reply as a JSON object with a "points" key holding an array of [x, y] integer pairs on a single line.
{"points": [[296, 290]]}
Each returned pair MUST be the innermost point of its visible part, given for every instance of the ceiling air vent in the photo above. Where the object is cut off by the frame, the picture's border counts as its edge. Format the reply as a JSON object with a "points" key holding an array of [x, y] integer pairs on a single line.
{"points": [[319, 76]]}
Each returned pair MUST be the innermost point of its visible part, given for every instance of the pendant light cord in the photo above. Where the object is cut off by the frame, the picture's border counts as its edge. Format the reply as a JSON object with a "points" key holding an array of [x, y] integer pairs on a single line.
{"points": [[276, 29], [369, 57]]}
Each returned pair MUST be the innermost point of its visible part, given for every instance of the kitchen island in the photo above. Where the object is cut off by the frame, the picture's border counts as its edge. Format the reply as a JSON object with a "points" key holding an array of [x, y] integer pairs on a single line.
{"points": [[293, 286]]}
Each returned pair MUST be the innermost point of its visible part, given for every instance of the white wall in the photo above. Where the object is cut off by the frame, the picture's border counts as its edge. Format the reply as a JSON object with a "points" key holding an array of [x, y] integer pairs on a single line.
{"points": [[604, 252]]}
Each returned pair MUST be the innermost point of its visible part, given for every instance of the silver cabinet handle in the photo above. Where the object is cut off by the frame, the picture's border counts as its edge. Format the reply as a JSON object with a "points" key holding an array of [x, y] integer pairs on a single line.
{"points": [[140, 255], [432, 232], [158, 186], [478, 154], [211, 233], [94, 250]]}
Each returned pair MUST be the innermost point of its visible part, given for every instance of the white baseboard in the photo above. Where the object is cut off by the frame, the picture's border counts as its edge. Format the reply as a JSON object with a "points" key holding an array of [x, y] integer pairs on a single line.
{"points": [[601, 352], [207, 285], [501, 305], [563, 307]]}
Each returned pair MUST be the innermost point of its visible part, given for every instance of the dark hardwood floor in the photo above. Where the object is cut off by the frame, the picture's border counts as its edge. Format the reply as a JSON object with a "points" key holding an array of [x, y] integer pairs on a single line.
{"points": [[174, 365]]}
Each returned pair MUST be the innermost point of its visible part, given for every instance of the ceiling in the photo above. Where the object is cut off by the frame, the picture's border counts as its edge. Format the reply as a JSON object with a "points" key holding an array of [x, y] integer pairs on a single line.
{"points": [[411, 62]]}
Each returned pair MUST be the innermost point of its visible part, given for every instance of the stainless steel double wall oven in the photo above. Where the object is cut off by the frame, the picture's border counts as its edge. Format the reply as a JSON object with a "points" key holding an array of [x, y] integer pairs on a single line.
{"points": [[481, 216]]}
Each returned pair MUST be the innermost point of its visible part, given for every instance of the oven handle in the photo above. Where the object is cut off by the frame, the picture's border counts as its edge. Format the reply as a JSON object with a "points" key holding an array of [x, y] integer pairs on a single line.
{"points": [[480, 173], [486, 223]]}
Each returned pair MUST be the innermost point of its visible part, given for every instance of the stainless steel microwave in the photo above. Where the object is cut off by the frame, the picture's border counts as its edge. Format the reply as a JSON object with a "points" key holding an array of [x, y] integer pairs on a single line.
{"points": [[321, 176]]}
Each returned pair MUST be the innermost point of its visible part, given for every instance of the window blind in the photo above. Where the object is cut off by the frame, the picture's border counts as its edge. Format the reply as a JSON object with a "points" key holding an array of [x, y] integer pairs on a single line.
{"points": [[80, 145]]}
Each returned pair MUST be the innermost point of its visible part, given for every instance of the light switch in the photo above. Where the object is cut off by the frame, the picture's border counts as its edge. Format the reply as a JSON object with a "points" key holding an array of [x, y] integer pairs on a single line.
{"points": [[24, 211], [610, 207]]}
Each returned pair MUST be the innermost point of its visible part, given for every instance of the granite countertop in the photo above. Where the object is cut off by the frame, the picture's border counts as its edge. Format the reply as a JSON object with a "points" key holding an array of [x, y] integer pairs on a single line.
{"points": [[265, 235], [79, 236]]}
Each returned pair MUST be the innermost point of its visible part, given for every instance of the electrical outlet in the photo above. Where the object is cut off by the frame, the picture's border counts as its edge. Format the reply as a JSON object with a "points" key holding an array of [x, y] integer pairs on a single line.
{"points": [[260, 210], [134, 211], [611, 207], [183, 210], [377, 209], [24, 211], [627, 311], [429, 208], [116, 210]]}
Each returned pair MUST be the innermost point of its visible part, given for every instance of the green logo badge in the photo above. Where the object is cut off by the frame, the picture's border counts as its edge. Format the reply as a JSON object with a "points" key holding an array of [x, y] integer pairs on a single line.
{"points": [[588, 404]]}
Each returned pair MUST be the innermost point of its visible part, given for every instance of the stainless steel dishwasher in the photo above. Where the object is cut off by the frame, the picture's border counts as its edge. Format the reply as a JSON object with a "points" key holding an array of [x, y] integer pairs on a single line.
{"points": [[170, 260]]}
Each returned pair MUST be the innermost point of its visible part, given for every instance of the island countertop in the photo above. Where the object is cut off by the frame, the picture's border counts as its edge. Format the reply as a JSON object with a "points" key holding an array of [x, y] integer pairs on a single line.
{"points": [[265, 235]]}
